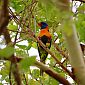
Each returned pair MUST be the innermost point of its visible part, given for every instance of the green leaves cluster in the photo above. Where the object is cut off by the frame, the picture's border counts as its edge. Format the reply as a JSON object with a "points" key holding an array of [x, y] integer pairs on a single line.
{"points": [[25, 63], [80, 23]]}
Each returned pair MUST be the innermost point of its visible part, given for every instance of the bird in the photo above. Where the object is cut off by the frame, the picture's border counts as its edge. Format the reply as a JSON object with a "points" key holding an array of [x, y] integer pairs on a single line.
{"points": [[45, 36]]}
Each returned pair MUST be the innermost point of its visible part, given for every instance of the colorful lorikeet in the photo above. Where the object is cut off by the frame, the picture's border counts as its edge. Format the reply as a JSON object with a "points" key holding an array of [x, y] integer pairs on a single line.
{"points": [[45, 37]]}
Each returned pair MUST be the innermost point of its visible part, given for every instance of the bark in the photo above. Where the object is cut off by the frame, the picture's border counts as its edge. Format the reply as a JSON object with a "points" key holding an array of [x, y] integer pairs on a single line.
{"points": [[4, 15]]}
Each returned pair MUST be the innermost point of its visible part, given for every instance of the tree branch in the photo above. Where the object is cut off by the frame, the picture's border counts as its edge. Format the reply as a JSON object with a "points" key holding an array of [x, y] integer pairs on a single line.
{"points": [[60, 51], [54, 57], [47, 70], [14, 66], [73, 45], [52, 73], [4, 15]]}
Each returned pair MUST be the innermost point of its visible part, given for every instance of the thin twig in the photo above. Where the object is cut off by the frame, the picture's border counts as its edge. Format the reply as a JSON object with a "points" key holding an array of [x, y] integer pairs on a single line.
{"points": [[16, 36], [60, 51]]}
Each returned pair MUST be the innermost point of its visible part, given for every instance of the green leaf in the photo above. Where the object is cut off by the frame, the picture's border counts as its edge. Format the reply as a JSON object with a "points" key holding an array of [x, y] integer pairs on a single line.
{"points": [[34, 45], [21, 46], [7, 52], [33, 82], [12, 27], [24, 46], [1, 84], [28, 47], [36, 73], [26, 62], [17, 5]]}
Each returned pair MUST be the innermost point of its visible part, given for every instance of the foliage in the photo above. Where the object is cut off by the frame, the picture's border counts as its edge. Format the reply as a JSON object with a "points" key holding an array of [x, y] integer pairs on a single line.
{"points": [[80, 21], [29, 13], [7, 52]]}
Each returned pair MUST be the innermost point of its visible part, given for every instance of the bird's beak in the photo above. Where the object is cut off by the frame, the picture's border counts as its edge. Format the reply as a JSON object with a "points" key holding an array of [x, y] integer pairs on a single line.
{"points": [[39, 24]]}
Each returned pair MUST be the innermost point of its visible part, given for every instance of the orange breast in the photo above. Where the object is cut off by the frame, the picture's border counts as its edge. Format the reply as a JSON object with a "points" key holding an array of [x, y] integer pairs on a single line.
{"points": [[44, 32]]}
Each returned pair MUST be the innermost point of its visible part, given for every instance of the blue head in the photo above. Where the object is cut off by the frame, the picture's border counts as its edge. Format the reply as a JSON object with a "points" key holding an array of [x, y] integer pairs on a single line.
{"points": [[43, 25]]}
